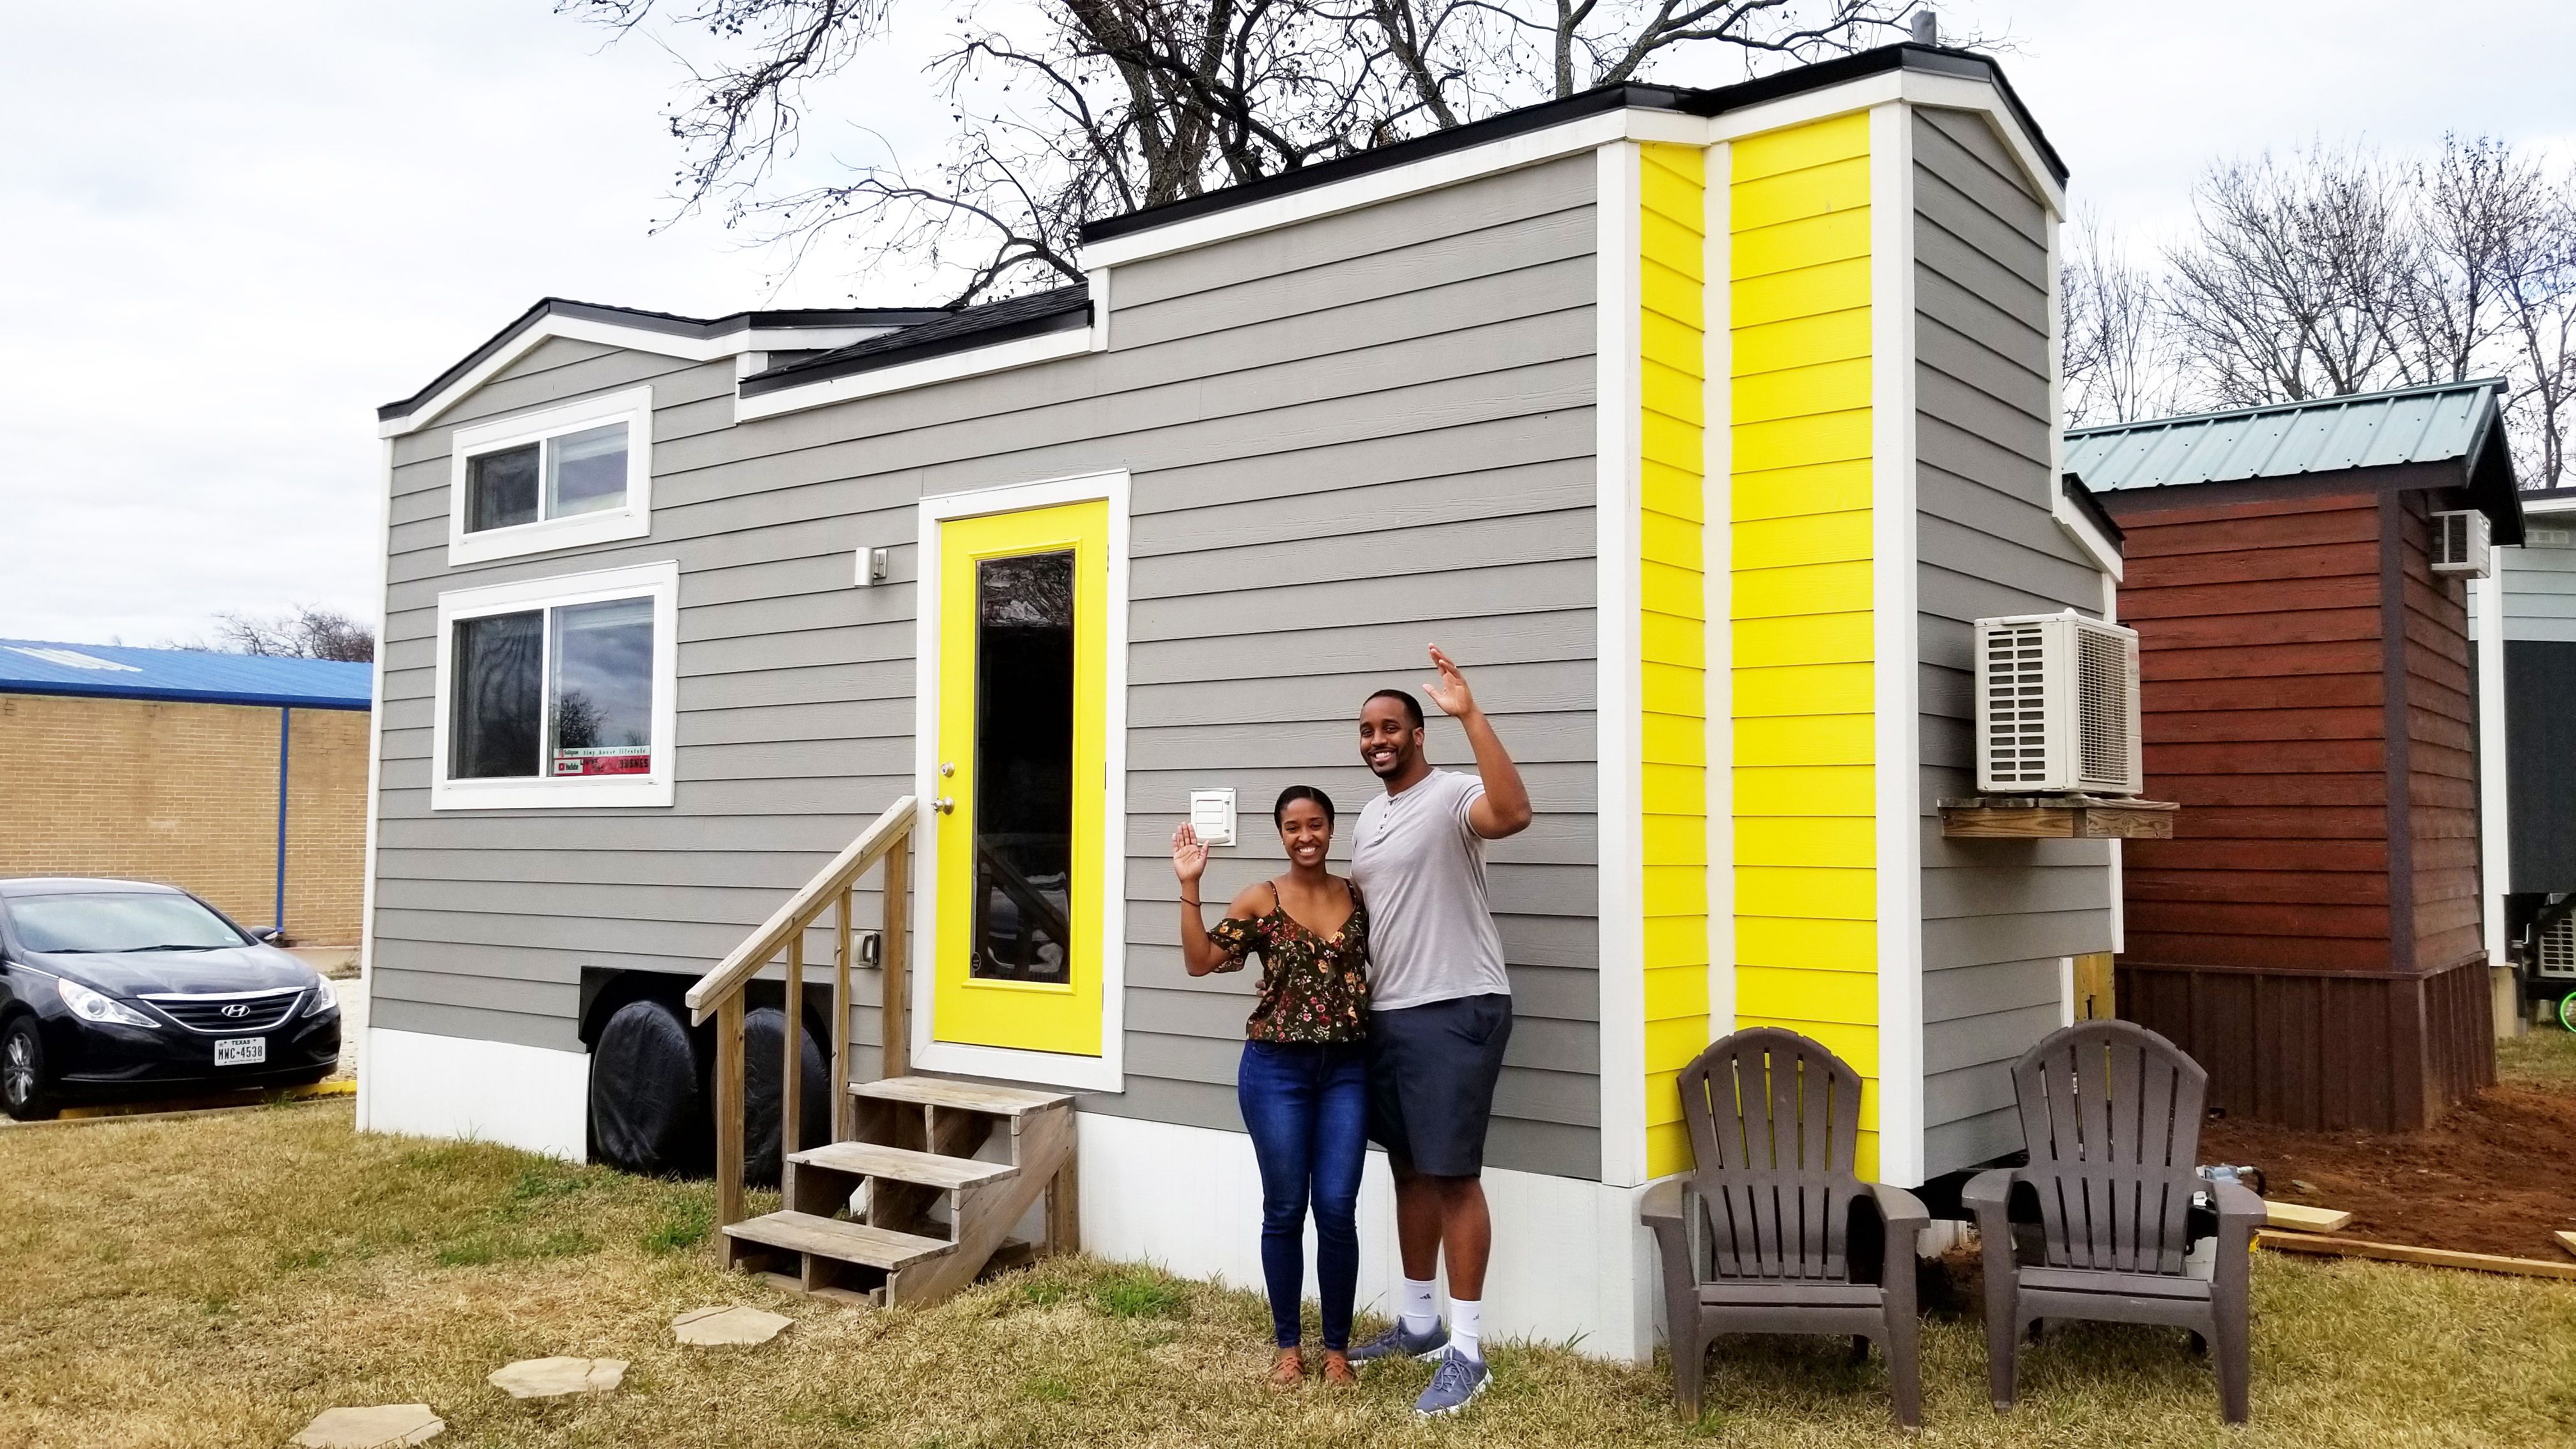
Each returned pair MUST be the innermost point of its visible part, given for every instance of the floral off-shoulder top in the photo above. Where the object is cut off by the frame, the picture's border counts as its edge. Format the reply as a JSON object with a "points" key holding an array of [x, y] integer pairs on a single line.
{"points": [[1313, 988]]}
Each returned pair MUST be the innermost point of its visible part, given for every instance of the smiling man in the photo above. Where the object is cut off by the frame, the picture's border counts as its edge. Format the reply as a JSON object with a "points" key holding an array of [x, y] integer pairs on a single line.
{"points": [[1441, 1012]]}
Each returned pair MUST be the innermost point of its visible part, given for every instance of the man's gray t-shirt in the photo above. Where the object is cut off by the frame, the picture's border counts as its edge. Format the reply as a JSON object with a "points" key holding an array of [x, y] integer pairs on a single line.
{"points": [[1421, 868]]}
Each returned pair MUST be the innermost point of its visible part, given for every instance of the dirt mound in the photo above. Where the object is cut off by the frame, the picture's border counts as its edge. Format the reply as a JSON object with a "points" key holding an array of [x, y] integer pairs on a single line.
{"points": [[2496, 1175]]}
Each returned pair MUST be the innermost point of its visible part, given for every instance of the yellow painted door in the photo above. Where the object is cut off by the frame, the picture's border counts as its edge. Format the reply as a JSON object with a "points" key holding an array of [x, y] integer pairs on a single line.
{"points": [[1022, 735]]}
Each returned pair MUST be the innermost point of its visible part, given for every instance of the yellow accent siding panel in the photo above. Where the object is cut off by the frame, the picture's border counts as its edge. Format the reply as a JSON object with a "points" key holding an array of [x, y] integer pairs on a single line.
{"points": [[1800, 550], [1673, 629]]}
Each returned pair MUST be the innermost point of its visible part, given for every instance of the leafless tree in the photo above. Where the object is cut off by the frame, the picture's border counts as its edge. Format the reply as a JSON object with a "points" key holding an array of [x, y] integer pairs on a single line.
{"points": [[2296, 279], [1067, 110], [306, 631], [2117, 347], [2337, 271]]}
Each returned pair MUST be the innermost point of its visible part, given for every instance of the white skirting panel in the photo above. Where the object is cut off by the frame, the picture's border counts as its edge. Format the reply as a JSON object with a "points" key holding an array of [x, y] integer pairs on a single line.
{"points": [[1570, 1262], [422, 1085]]}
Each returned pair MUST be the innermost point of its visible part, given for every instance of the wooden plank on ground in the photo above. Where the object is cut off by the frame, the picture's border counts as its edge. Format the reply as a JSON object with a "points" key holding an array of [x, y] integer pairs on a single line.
{"points": [[2302, 1219], [2408, 1253], [2566, 1240]]}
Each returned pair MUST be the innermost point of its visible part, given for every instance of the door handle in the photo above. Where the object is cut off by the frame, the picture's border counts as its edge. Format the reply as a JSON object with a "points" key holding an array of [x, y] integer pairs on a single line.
{"points": [[943, 805]]}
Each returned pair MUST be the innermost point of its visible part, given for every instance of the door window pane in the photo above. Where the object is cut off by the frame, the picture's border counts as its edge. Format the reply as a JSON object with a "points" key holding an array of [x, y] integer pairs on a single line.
{"points": [[1024, 768], [495, 693], [586, 471], [603, 688], [501, 489]]}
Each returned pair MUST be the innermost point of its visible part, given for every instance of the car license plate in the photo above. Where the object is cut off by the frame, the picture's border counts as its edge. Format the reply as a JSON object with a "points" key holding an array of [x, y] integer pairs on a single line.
{"points": [[241, 1052]]}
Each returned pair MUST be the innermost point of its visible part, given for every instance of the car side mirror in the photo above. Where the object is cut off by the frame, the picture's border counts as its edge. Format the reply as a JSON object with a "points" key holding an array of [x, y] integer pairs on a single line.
{"points": [[268, 935]]}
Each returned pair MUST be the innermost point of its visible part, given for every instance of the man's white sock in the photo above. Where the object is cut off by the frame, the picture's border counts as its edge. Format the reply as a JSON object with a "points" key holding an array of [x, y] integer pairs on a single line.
{"points": [[1421, 1308], [1467, 1327]]}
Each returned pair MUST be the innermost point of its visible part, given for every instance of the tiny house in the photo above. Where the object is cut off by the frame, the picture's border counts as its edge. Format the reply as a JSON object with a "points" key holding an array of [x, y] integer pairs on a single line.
{"points": [[2523, 622], [2297, 576], [1699, 426]]}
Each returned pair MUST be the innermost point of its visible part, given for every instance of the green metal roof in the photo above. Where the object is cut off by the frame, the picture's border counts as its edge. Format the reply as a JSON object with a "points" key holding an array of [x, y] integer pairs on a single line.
{"points": [[2439, 423]]}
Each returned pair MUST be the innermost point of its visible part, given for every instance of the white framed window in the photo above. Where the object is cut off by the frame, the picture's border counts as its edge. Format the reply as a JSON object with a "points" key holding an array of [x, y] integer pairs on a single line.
{"points": [[557, 693], [566, 476]]}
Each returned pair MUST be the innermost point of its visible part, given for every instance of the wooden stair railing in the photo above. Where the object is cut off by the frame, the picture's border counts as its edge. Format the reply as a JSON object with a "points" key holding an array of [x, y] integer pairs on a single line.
{"points": [[720, 991], [935, 1215]]}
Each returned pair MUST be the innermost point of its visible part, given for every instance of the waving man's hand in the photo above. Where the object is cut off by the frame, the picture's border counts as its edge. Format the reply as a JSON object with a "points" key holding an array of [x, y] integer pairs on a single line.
{"points": [[1450, 691]]}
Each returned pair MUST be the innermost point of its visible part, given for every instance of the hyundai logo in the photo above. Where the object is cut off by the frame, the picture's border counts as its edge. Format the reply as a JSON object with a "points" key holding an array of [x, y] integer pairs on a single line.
{"points": [[237, 1010]]}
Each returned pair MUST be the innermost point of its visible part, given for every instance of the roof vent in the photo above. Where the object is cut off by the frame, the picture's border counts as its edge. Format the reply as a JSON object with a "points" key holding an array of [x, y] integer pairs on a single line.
{"points": [[2460, 543], [1927, 28], [2057, 706]]}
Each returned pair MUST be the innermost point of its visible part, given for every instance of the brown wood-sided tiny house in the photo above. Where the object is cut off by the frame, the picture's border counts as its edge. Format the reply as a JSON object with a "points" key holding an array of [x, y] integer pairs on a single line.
{"points": [[2312, 932]]}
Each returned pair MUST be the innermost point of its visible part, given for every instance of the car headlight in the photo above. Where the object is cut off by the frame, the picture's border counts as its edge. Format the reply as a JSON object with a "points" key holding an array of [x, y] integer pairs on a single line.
{"points": [[324, 999], [88, 1005]]}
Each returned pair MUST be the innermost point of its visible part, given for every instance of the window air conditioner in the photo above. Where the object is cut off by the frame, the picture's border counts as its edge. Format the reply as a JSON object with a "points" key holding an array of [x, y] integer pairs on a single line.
{"points": [[2557, 955], [2460, 543], [2057, 706]]}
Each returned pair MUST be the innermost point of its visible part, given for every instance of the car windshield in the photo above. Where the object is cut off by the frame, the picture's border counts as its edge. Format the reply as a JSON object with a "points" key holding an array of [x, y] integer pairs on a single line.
{"points": [[96, 921]]}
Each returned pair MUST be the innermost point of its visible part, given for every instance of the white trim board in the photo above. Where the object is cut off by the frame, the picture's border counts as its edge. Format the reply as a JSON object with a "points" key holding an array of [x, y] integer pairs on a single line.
{"points": [[1106, 1072], [659, 582], [631, 518], [2495, 765], [634, 339], [1618, 440], [375, 754], [422, 1085], [1897, 752], [1717, 579], [949, 367]]}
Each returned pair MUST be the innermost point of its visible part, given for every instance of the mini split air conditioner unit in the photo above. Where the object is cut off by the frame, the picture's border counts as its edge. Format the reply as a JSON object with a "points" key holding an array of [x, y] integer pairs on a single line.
{"points": [[2557, 955], [2057, 706], [2460, 544]]}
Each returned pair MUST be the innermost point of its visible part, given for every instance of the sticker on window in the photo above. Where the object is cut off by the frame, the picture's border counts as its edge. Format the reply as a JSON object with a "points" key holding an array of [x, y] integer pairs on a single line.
{"points": [[604, 760]]}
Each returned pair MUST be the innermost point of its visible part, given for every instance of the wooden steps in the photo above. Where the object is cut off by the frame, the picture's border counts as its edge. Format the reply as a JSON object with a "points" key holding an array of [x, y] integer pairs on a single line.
{"points": [[907, 1211]]}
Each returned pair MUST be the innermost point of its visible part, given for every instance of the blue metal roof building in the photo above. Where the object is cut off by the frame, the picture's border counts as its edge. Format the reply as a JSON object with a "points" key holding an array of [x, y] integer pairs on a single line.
{"points": [[196, 676]]}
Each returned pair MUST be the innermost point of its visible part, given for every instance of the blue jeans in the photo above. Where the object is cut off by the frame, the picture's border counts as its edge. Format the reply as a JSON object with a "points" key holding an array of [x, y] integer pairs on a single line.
{"points": [[1307, 1108]]}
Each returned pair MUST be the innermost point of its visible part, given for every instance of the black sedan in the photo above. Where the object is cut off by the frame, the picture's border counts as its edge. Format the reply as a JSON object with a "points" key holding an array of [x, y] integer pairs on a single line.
{"points": [[117, 989]]}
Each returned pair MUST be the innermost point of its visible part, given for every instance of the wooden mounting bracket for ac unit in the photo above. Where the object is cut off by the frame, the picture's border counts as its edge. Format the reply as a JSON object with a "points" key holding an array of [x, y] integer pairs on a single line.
{"points": [[2056, 817]]}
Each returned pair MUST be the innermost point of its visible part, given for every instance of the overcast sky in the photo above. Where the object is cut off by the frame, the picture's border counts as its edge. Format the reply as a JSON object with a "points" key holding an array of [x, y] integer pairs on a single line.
{"points": [[224, 240]]}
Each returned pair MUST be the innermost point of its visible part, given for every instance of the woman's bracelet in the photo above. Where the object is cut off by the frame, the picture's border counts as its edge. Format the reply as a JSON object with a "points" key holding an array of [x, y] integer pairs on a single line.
{"points": [[1193, 905]]}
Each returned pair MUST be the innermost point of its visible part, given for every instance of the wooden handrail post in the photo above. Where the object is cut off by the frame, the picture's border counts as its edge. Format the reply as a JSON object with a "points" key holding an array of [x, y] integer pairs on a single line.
{"points": [[893, 1023], [791, 1081], [841, 1018], [729, 1109]]}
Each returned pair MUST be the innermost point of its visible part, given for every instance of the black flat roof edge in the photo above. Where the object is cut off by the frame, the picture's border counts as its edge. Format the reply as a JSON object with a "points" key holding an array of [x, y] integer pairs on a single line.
{"points": [[1073, 312], [177, 696], [668, 323], [2091, 507], [1712, 102]]}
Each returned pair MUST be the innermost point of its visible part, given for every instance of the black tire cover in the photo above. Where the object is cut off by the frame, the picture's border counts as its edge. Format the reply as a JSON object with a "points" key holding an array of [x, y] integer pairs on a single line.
{"points": [[764, 1041], [648, 1103]]}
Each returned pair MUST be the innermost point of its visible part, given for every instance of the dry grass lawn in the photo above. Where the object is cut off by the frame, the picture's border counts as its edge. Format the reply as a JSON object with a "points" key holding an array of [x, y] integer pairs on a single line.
{"points": [[219, 1281]]}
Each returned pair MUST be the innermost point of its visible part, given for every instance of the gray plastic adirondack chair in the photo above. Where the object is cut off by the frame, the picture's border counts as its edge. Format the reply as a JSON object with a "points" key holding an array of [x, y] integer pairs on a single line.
{"points": [[2111, 1113], [1760, 1237]]}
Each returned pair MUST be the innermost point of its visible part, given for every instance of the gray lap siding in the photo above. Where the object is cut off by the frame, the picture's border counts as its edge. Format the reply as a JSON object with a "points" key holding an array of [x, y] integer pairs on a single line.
{"points": [[1345, 438], [1998, 916]]}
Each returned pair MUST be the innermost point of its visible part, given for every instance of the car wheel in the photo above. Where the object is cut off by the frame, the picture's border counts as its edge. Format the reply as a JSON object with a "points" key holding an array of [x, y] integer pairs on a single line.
{"points": [[25, 1088]]}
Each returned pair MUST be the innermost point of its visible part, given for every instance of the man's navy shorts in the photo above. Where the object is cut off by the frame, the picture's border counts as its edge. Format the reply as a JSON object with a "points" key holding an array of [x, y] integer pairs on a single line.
{"points": [[1432, 1070]]}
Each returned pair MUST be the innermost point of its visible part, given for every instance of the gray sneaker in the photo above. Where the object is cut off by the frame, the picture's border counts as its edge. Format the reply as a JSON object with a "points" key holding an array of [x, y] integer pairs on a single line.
{"points": [[1396, 1343], [1460, 1378]]}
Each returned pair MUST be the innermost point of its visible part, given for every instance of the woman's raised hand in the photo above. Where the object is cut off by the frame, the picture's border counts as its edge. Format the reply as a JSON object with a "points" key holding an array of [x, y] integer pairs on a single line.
{"points": [[1189, 857]]}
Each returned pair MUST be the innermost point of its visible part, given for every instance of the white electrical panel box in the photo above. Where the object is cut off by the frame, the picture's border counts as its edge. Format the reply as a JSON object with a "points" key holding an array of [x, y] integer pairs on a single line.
{"points": [[2057, 706], [1212, 816]]}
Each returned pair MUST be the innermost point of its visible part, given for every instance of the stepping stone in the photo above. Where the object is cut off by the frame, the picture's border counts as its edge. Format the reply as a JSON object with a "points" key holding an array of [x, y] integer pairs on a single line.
{"points": [[550, 1378], [379, 1427], [721, 1327]]}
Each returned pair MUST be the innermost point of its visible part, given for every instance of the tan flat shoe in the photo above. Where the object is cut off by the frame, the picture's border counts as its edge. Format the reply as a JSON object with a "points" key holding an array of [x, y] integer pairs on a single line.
{"points": [[1289, 1369], [1337, 1371]]}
